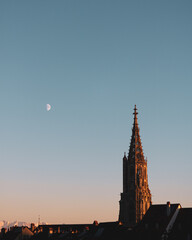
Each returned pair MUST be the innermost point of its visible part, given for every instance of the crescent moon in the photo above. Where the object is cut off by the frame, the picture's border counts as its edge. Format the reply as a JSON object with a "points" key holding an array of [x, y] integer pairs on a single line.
{"points": [[48, 107]]}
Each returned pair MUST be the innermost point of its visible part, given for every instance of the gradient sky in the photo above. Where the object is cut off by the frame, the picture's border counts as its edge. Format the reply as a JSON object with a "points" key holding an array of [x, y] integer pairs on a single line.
{"points": [[92, 61]]}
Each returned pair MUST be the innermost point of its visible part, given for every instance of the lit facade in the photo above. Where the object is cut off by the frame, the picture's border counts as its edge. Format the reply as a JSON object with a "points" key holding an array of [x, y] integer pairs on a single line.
{"points": [[136, 196]]}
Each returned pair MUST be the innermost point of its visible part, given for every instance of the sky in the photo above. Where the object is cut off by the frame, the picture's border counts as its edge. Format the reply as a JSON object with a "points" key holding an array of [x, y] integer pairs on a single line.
{"points": [[92, 61]]}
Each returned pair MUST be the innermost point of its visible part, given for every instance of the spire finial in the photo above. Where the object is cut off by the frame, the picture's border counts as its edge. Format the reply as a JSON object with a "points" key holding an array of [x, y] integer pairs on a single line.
{"points": [[135, 111], [135, 116]]}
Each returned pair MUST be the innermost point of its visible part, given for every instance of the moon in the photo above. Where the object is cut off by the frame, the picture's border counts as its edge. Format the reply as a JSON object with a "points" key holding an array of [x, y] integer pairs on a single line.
{"points": [[48, 107]]}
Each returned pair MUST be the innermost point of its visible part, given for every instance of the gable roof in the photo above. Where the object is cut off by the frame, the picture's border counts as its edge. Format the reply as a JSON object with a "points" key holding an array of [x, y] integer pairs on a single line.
{"points": [[155, 221], [182, 228]]}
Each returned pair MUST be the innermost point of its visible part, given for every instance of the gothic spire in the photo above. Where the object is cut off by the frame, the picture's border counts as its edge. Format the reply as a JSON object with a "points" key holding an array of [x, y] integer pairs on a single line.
{"points": [[136, 151], [135, 117], [136, 196]]}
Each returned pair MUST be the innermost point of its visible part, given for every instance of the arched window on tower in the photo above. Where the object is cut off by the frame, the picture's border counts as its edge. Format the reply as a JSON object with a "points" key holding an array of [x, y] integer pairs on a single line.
{"points": [[141, 209], [139, 177]]}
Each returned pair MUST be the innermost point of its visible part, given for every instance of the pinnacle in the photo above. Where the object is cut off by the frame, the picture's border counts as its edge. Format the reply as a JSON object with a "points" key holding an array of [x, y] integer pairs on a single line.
{"points": [[135, 111], [136, 145], [135, 117]]}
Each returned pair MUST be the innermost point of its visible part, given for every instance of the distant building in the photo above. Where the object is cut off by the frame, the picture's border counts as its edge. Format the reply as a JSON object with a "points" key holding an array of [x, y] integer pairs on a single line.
{"points": [[136, 196], [16, 233]]}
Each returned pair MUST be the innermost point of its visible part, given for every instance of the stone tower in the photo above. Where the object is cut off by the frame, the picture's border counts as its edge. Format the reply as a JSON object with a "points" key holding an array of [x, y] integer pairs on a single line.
{"points": [[136, 196]]}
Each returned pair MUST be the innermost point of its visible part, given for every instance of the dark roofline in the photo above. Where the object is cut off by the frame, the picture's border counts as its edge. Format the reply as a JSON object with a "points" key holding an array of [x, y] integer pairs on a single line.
{"points": [[76, 225], [65, 225], [172, 204]]}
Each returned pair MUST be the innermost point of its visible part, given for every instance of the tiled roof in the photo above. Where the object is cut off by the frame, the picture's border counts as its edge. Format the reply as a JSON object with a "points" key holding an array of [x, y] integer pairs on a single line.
{"points": [[182, 228], [12, 235], [155, 221]]}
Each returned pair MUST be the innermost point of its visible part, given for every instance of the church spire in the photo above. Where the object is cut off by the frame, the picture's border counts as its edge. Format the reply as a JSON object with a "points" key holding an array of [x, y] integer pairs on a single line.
{"points": [[135, 151], [135, 116], [136, 196]]}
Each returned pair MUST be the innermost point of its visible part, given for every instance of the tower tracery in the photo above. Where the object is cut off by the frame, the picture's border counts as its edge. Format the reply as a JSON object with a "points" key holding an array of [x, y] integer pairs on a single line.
{"points": [[136, 196]]}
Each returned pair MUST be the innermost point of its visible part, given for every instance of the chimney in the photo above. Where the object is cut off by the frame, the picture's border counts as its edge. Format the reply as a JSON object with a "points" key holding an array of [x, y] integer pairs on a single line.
{"points": [[168, 208], [32, 227]]}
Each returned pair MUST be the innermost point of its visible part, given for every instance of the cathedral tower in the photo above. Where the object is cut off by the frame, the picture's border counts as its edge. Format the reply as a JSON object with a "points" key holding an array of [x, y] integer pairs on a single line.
{"points": [[136, 196]]}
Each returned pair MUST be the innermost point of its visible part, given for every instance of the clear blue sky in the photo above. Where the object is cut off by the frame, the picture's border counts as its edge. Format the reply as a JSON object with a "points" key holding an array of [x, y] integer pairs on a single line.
{"points": [[92, 61]]}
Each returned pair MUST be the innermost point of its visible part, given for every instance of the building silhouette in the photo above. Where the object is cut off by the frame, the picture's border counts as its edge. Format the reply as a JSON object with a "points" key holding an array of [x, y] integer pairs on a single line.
{"points": [[136, 196]]}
